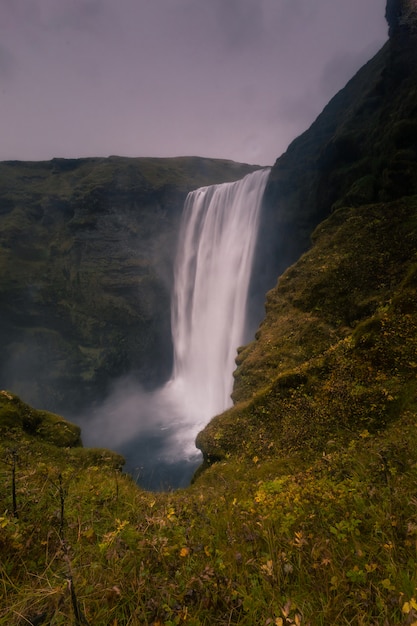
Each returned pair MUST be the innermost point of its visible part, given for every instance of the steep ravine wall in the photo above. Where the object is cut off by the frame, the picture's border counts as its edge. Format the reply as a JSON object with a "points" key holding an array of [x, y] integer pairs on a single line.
{"points": [[86, 255], [361, 149]]}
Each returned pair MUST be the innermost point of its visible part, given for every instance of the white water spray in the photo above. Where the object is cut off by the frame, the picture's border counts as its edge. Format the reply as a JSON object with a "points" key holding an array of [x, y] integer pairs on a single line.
{"points": [[212, 273]]}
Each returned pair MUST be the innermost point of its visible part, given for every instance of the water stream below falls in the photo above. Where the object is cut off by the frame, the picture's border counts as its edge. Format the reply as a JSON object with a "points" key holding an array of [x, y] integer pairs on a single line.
{"points": [[208, 316]]}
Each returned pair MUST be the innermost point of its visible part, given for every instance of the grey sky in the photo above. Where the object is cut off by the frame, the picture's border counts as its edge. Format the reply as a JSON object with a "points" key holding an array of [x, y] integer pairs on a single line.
{"points": [[235, 79]]}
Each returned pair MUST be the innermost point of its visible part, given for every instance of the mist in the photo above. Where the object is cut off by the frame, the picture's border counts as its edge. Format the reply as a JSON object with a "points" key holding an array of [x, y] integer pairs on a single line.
{"points": [[149, 429]]}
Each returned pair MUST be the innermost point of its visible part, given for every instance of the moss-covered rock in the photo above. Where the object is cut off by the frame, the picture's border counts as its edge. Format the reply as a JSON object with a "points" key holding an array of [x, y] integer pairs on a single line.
{"points": [[29, 432]]}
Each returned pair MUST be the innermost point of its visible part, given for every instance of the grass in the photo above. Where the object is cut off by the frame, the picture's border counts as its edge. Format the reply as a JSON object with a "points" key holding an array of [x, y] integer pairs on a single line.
{"points": [[296, 539]]}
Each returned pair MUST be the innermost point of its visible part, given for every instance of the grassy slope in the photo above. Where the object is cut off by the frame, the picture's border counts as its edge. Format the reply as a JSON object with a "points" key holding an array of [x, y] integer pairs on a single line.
{"points": [[337, 350]]}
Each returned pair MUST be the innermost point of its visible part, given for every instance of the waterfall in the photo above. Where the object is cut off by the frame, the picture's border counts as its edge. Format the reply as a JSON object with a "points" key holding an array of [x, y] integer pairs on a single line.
{"points": [[211, 281], [155, 431]]}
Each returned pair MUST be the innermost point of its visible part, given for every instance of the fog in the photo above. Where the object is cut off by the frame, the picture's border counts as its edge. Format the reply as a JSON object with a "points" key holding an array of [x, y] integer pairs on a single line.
{"points": [[149, 429]]}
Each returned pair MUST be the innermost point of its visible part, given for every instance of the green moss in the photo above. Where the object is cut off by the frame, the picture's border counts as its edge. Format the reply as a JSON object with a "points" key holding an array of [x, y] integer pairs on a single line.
{"points": [[17, 416], [337, 350]]}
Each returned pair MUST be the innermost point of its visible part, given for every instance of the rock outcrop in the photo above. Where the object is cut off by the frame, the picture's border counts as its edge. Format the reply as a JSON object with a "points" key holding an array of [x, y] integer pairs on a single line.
{"points": [[362, 148], [401, 14]]}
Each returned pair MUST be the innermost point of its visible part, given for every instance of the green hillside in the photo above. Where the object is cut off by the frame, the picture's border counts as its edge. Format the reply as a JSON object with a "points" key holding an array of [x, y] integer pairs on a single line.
{"points": [[305, 510]]}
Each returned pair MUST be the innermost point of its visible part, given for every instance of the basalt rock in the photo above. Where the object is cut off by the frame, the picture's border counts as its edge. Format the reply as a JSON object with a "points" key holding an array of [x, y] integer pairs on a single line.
{"points": [[401, 15]]}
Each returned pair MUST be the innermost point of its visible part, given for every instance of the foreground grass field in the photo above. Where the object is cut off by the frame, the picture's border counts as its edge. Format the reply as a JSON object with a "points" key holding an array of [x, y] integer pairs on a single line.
{"points": [[295, 540]]}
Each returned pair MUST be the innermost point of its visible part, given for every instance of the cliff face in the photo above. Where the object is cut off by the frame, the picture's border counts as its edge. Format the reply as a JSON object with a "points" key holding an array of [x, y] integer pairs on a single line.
{"points": [[401, 15], [86, 254], [337, 350], [361, 149]]}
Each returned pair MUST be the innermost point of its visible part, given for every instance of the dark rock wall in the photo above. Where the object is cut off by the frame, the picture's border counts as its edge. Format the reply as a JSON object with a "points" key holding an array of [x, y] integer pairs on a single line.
{"points": [[361, 149], [86, 257]]}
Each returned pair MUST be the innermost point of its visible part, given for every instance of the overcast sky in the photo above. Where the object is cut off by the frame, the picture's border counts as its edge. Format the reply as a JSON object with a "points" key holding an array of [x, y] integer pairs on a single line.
{"points": [[235, 79]]}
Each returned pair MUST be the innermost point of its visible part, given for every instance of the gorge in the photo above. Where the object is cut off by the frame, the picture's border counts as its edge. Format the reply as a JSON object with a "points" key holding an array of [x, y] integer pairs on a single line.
{"points": [[156, 430], [86, 270]]}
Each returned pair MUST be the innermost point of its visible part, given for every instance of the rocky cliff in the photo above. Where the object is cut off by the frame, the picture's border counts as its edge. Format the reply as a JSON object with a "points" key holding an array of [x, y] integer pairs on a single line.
{"points": [[86, 254], [401, 15], [361, 149]]}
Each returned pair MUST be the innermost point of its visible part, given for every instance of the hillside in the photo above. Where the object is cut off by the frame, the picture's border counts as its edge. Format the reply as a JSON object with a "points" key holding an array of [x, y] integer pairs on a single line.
{"points": [[361, 149], [305, 511], [86, 255]]}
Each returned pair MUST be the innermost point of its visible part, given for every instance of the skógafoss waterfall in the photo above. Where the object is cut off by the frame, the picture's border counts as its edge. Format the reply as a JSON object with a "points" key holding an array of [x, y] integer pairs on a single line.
{"points": [[212, 274], [156, 431]]}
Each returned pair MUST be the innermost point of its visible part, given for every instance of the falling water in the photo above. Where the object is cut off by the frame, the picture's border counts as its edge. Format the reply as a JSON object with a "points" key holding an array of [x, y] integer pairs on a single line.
{"points": [[212, 274], [156, 431]]}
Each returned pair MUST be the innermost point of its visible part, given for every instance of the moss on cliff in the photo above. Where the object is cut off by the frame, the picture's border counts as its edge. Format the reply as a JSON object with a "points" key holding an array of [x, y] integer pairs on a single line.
{"points": [[337, 351]]}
